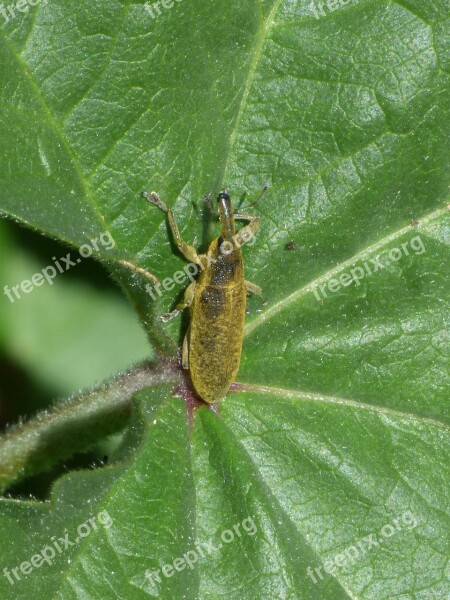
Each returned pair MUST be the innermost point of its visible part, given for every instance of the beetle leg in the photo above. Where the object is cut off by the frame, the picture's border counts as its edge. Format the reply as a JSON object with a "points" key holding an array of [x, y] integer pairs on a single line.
{"points": [[188, 298], [139, 270], [249, 230], [185, 350], [189, 252], [208, 204], [252, 288]]}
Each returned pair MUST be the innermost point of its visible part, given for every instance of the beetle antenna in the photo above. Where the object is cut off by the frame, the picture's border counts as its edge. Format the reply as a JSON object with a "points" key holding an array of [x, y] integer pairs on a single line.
{"points": [[264, 190]]}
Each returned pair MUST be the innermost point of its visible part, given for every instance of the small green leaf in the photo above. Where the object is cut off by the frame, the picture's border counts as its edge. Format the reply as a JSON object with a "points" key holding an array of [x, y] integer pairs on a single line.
{"points": [[62, 310]]}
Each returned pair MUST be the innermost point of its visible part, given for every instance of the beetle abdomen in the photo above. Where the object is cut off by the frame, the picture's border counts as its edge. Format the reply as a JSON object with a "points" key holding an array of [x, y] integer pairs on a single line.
{"points": [[215, 339]]}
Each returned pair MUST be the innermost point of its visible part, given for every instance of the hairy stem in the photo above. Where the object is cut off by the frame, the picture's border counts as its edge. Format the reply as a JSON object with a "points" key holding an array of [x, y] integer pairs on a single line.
{"points": [[74, 424]]}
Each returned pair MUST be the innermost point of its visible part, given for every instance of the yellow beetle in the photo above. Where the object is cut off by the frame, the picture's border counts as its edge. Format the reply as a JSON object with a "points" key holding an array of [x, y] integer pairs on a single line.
{"points": [[213, 342]]}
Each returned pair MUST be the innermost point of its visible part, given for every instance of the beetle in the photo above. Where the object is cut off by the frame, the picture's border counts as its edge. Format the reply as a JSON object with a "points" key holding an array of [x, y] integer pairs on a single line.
{"points": [[217, 300]]}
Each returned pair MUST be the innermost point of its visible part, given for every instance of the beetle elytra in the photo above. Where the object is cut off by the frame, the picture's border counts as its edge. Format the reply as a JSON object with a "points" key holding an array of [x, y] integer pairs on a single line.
{"points": [[217, 300]]}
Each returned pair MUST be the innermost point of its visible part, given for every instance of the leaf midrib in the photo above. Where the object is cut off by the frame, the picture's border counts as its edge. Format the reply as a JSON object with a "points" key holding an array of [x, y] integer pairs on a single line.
{"points": [[265, 30], [284, 303], [52, 123], [337, 401], [273, 505]]}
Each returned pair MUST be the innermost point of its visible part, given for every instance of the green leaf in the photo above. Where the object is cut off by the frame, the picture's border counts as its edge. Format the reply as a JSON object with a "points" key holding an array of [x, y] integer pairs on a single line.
{"points": [[61, 311], [334, 443]]}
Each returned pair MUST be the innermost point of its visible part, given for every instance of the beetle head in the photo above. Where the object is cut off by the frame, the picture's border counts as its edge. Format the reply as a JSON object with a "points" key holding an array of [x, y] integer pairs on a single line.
{"points": [[224, 205], [225, 213]]}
